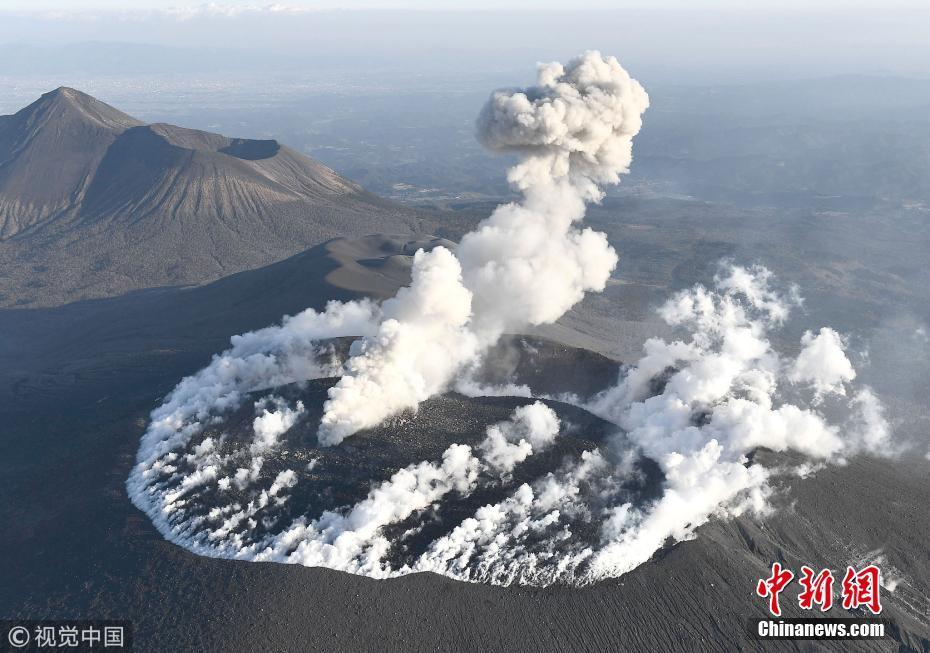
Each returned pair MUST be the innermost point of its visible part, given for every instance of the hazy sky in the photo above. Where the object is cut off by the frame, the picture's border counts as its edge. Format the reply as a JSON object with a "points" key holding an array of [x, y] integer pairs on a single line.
{"points": [[233, 5], [679, 41]]}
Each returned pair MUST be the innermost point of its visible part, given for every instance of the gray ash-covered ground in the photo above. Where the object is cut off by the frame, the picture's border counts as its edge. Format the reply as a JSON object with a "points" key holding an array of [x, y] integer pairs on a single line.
{"points": [[80, 382]]}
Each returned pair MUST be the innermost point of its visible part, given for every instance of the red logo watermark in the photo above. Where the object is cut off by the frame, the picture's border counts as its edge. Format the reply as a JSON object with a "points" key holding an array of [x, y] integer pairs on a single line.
{"points": [[860, 589]]}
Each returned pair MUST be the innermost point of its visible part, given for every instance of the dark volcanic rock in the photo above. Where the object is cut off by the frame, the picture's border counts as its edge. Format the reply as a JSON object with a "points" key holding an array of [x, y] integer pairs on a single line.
{"points": [[334, 478], [548, 367], [75, 546]]}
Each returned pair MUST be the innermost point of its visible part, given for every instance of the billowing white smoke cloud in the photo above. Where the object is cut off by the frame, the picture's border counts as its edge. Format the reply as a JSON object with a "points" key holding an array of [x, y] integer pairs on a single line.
{"points": [[270, 425], [868, 429], [528, 263], [697, 406], [257, 360], [422, 341], [352, 541], [531, 428], [577, 125], [720, 401], [822, 363]]}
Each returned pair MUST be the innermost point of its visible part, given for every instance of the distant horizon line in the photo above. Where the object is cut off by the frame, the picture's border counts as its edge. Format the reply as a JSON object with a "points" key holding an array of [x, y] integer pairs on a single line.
{"points": [[214, 11]]}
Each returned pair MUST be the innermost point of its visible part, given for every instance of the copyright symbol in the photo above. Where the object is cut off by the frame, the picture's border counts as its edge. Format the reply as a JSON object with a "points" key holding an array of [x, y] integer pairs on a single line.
{"points": [[18, 636]]}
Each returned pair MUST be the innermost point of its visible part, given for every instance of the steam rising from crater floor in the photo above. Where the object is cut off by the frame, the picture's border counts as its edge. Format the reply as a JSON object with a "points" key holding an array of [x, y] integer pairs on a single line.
{"points": [[527, 264], [531, 498]]}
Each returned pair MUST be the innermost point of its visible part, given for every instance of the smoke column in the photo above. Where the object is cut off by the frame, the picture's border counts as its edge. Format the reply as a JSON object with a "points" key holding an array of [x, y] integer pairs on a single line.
{"points": [[693, 408], [528, 263]]}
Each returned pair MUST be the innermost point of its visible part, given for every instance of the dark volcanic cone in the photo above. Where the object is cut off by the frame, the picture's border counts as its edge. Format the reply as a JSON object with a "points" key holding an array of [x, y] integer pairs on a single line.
{"points": [[95, 203]]}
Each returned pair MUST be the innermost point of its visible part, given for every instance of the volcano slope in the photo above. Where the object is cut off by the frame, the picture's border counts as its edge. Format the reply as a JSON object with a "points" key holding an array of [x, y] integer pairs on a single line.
{"points": [[94, 203], [75, 545]]}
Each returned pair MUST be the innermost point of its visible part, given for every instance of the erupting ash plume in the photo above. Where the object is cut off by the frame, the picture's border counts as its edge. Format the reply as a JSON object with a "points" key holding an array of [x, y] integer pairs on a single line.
{"points": [[528, 263], [422, 341], [685, 417]]}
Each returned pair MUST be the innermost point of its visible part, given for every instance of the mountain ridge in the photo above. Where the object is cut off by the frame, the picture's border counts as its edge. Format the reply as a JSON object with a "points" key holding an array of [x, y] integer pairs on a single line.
{"points": [[66, 132], [94, 202]]}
